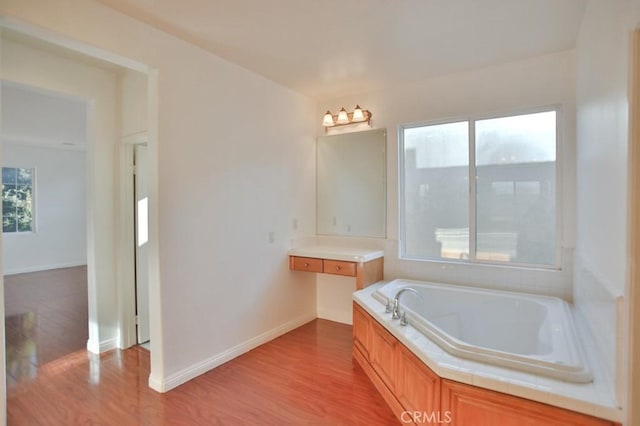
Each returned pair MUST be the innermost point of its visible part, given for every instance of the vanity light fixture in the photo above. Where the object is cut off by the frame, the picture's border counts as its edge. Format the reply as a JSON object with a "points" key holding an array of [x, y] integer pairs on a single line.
{"points": [[357, 116]]}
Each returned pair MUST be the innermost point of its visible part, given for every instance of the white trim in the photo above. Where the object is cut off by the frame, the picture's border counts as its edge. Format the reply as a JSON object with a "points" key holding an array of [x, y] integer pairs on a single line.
{"points": [[331, 316], [139, 138], [401, 191], [157, 364], [188, 373], [628, 386], [43, 143], [45, 267], [3, 364], [473, 191], [125, 267], [103, 346], [71, 44], [156, 383]]}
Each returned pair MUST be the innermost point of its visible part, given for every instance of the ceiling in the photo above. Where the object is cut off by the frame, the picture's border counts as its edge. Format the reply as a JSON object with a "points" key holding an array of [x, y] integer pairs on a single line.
{"points": [[331, 48]]}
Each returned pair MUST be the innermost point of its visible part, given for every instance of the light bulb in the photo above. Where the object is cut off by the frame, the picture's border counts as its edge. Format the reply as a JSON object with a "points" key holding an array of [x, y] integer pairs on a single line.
{"points": [[357, 114], [328, 119], [343, 118]]}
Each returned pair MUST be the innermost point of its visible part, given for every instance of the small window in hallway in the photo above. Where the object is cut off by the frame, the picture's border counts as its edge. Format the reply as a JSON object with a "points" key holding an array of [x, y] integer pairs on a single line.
{"points": [[17, 199]]}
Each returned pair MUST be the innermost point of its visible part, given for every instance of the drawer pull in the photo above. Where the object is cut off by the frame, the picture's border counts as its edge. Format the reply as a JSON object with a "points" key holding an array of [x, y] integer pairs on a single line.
{"points": [[306, 265], [337, 268]]}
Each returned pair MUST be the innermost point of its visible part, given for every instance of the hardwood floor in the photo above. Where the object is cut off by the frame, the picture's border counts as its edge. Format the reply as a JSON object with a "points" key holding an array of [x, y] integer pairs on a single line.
{"points": [[305, 377], [45, 319]]}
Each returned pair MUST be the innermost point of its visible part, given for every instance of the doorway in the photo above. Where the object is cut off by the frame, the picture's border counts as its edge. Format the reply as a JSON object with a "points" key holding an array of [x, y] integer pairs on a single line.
{"points": [[141, 202], [44, 227], [108, 266]]}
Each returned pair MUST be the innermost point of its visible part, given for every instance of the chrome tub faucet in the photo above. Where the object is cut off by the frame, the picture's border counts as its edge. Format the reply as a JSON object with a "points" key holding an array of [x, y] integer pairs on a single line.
{"points": [[396, 302]]}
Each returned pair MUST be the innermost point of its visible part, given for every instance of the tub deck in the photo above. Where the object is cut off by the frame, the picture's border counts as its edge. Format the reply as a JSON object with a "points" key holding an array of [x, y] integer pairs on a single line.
{"points": [[596, 398], [530, 333]]}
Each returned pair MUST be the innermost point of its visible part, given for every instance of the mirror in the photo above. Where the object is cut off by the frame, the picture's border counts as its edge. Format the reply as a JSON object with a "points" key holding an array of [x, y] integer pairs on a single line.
{"points": [[351, 184]]}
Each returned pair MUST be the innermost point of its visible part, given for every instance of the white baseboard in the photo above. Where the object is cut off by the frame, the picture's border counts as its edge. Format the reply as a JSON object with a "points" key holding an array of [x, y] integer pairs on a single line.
{"points": [[96, 347], [156, 384], [341, 317], [186, 374], [27, 269]]}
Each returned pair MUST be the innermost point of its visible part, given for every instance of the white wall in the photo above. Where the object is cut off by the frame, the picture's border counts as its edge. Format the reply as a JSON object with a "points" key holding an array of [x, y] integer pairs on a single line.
{"points": [[603, 141], [37, 117], [134, 102], [60, 207], [234, 161], [334, 297], [602, 155], [505, 88]]}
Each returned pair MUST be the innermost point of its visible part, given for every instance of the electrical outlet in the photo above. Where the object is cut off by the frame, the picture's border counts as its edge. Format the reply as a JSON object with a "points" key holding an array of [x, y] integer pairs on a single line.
{"points": [[272, 237], [295, 224]]}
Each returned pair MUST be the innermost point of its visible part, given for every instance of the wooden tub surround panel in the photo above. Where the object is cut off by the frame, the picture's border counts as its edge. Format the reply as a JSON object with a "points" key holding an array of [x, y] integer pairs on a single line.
{"points": [[417, 395], [471, 405]]}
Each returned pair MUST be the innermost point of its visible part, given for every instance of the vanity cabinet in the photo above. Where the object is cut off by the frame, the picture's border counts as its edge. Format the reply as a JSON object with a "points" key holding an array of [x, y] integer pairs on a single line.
{"points": [[367, 266], [327, 266], [417, 394]]}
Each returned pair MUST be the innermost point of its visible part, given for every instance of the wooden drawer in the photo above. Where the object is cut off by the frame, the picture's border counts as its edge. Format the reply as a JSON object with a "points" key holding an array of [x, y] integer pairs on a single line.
{"points": [[308, 264], [339, 267]]}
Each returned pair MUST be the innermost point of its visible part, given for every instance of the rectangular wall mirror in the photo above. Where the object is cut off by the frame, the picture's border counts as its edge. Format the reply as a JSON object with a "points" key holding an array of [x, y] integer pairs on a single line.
{"points": [[351, 184]]}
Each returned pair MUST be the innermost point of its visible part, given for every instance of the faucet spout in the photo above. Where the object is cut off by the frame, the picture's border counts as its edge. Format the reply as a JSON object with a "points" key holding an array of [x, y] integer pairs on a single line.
{"points": [[396, 301]]}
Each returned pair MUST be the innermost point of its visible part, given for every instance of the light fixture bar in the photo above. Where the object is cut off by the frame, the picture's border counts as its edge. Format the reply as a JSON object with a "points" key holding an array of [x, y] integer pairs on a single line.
{"points": [[344, 118]]}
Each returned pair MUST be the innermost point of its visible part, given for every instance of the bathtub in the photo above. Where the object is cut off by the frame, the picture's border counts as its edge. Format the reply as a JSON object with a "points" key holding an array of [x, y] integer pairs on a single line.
{"points": [[534, 334]]}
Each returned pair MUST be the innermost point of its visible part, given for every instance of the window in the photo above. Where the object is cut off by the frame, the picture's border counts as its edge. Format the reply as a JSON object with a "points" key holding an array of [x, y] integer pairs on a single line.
{"points": [[17, 199], [506, 214]]}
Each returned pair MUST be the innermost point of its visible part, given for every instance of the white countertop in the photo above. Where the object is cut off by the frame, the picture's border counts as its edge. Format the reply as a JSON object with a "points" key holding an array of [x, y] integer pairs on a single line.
{"points": [[348, 254], [596, 398]]}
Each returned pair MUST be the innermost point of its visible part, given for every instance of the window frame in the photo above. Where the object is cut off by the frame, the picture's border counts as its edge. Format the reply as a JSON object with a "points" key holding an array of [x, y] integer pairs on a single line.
{"points": [[471, 119], [33, 202]]}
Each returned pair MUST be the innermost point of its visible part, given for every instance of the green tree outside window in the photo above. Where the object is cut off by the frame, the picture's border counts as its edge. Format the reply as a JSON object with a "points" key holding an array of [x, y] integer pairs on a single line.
{"points": [[17, 199]]}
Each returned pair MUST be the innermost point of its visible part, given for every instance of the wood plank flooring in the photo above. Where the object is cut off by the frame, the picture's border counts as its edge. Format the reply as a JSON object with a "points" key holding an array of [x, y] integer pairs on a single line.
{"points": [[45, 319], [305, 377]]}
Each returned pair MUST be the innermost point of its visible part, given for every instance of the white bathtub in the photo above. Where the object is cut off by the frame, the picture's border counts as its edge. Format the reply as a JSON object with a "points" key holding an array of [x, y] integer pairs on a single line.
{"points": [[530, 333]]}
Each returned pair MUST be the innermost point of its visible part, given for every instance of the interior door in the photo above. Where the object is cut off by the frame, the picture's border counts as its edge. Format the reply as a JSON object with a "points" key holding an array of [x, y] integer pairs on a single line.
{"points": [[142, 237]]}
